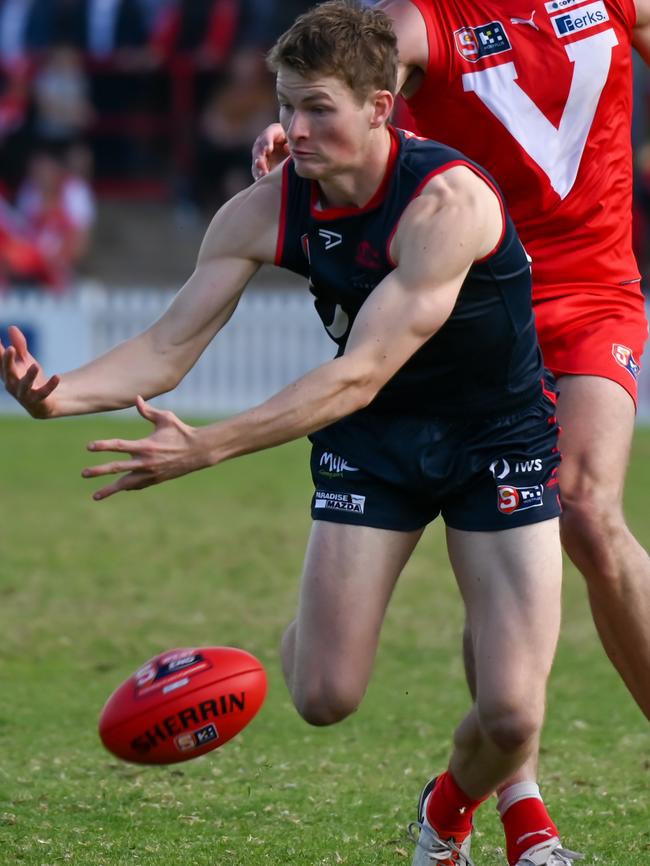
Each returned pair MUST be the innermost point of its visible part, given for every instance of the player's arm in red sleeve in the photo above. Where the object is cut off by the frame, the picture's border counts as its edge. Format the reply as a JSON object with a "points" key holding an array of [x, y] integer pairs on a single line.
{"points": [[641, 33], [456, 220], [241, 236]]}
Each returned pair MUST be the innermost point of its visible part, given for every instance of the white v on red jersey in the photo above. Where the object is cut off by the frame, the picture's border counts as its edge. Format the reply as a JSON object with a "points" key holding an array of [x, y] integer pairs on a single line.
{"points": [[540, 94]]}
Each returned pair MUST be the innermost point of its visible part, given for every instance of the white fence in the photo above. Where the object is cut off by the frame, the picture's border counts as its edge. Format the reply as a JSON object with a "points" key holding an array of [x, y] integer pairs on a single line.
{"points": [[273, 337]]}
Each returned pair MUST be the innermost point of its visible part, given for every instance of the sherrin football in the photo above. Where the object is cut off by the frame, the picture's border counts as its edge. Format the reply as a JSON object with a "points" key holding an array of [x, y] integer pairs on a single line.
{"points": [[183, 703]]}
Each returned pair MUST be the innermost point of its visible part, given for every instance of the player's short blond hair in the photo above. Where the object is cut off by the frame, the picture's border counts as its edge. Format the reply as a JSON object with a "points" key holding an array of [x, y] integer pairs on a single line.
{"points": [[343, 39]]}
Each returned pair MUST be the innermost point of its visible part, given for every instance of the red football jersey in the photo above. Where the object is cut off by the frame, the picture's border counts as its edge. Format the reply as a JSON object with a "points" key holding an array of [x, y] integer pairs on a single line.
{"points": [[540, 94]]}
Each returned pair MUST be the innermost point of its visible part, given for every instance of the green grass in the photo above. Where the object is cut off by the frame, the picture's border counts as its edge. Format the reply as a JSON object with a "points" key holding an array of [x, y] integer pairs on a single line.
{"points": [[90, 590]]}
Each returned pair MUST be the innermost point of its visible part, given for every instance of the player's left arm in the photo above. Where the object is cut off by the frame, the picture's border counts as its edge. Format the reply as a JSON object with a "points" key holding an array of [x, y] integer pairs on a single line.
{"points": [[455, 221], [641, 32]]}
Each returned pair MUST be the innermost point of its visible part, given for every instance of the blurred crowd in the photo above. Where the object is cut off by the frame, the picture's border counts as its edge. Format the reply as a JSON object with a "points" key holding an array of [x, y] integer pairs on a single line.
{"points": [[123, 98], [142, 98]]}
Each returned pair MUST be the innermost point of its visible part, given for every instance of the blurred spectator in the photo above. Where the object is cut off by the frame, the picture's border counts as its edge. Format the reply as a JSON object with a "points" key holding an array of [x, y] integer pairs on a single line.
{"points": [[43, 240], [14, 110], [26, 27], [203, 29], [231, 118], [264, 20], [102, 29], [153, 9], [62, 108]]}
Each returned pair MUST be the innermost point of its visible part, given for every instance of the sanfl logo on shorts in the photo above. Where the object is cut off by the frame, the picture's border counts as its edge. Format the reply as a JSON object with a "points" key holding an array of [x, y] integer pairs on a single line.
{"points": [[624, 357]]}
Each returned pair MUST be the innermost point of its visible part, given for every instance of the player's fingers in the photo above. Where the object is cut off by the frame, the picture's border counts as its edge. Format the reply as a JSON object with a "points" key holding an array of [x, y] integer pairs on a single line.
{"points": [[132, 481], [126, 445], [111, 468], [8, 359], [46, 389], [18, 340], [260, 167], [147, 410], [25, 384]]}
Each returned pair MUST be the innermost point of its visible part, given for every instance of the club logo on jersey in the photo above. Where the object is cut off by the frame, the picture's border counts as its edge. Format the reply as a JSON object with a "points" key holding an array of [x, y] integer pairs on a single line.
{"points": [[624, 357], [340, 501], [473, 43], [580, 19], [511, 499], [367, 256], [332, 239]]}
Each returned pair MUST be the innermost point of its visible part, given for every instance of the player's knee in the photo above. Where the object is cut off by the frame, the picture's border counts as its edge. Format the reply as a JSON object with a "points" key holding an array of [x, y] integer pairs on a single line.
{"points": [[591, 526], [325, 704], [510, 728]]}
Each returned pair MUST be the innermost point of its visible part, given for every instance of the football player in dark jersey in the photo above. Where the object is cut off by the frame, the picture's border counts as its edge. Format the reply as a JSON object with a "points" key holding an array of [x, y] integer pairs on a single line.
{"points": [[435, 403]]}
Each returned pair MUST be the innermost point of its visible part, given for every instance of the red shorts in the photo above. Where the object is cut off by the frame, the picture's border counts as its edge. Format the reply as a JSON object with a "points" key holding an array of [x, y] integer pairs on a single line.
{"points": [[596, 331]]}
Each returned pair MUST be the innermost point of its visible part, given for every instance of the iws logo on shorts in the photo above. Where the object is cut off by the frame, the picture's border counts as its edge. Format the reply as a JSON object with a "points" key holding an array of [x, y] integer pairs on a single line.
{"points": [[340, 501], [473, 43], [511, 499], [624, 357]]}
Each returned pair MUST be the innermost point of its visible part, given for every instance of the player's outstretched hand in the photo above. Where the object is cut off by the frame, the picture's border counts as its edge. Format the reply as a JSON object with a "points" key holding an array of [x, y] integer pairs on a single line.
{"points": [[269, 150], [23, 376], [170, 451]]}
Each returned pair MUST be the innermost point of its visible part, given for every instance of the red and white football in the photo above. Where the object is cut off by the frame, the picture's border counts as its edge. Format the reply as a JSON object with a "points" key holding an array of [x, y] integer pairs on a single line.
{"points": [[183, 703]]}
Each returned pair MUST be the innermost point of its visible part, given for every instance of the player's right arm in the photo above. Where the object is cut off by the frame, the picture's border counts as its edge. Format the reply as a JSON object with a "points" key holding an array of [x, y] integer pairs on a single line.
{"points": [[241, 237], [270, 147]]}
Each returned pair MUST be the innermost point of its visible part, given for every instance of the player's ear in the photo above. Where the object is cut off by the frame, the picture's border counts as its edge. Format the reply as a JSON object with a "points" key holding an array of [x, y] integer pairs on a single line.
{"points": [[383, 102]]}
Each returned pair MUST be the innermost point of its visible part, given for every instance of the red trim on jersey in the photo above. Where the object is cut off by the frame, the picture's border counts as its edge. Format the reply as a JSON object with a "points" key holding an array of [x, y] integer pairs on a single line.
{"points": [[282, 222], [334, 213], [426, 180]]}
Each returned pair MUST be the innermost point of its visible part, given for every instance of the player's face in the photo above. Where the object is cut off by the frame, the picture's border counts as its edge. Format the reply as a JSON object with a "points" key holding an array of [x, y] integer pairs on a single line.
{"points": [[326, 127]]}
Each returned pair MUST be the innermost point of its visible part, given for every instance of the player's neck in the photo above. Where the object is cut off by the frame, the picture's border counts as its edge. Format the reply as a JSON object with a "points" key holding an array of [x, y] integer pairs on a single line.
{"points": [[356, 186]]}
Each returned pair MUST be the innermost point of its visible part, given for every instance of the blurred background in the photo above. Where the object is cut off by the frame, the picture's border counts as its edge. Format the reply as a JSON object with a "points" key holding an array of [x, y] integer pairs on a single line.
{"points": [[124, 124]]}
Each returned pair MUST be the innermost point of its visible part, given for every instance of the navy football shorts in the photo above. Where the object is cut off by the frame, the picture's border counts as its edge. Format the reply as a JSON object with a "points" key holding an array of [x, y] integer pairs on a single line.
{"points": [[400, 473]]}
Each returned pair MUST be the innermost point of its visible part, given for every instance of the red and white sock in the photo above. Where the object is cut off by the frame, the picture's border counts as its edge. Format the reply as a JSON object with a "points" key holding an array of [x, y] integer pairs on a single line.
{"points": [[450, 810], [525, 819]]}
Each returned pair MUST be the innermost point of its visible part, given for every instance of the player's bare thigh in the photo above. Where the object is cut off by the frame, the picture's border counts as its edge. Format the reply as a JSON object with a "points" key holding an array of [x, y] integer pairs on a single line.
{"points": [[348, 579], [510, 582], [597, 419]]}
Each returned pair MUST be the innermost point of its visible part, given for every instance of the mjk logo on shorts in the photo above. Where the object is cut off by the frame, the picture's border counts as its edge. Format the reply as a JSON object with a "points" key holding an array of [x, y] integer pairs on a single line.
{"points": [[473, 43], [340, 501], [580, 19], [512, 499]]}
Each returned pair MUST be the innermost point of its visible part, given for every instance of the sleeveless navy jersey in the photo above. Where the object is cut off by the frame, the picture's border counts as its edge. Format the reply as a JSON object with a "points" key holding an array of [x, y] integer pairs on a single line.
{"points": [[485, 359]]}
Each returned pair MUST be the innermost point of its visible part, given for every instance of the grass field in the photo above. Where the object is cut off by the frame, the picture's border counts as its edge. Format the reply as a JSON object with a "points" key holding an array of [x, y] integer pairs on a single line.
{"points": [[89, 590]]}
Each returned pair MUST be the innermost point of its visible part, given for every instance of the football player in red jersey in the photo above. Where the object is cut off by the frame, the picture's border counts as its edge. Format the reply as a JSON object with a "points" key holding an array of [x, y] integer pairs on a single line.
{"points": [[540, 93]]}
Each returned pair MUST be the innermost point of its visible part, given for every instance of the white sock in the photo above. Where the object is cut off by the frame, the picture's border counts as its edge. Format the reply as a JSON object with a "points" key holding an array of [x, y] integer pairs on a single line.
{"points": [[514, 793]]}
